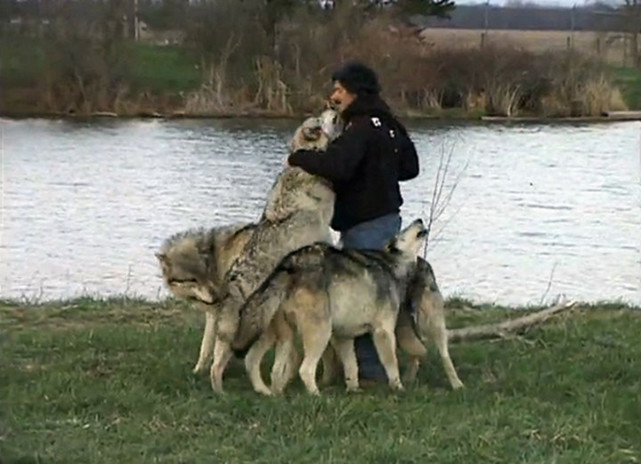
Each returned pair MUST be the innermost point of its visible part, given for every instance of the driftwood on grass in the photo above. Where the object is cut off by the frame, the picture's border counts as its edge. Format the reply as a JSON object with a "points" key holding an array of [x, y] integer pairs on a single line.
{"points": [[501, 329]]}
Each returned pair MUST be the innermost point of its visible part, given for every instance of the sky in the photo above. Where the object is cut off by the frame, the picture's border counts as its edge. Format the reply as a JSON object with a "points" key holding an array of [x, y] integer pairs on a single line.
{"points": [[563, 3]]}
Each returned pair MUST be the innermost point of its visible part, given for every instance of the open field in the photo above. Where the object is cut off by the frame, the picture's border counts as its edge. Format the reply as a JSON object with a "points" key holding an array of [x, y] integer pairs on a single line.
{"points": [[607, 46], [92, 381]]}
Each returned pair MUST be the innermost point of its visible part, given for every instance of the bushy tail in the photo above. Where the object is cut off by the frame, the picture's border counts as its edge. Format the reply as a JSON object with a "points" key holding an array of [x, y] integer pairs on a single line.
{"points": [[260, 308]]}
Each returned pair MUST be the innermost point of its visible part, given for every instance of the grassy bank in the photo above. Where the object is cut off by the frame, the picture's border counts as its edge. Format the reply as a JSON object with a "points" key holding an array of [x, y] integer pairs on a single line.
{"points": [[90, 381], [629, 81]]}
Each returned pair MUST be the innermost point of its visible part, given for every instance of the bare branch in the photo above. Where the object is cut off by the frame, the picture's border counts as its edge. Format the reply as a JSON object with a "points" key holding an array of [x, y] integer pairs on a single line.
{"points": [[500, 329], [547, 289], [440, 200]]}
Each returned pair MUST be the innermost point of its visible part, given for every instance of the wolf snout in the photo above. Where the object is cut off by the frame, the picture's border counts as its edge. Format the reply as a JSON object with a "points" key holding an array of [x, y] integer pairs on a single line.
{"points": [[205, 295], [418, 223]]}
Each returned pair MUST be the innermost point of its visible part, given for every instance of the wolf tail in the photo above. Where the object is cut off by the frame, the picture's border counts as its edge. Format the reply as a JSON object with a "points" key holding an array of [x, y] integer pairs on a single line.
{"points": [[260, 308]]}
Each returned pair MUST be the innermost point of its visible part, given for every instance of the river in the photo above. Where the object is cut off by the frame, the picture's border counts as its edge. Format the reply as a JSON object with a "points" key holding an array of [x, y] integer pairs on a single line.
{"points": [[531, 212]]}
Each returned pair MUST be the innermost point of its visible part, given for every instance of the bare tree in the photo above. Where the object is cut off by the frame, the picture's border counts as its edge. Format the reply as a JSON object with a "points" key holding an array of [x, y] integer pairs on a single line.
{"points": [[86, 55]]}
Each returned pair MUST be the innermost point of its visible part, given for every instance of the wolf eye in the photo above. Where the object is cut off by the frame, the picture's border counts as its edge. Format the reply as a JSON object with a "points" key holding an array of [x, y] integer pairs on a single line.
{"points": [[183, 281]]}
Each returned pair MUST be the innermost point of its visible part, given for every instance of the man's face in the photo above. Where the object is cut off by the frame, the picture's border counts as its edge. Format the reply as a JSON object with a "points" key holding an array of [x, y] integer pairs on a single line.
{"points": [[341, 98]]}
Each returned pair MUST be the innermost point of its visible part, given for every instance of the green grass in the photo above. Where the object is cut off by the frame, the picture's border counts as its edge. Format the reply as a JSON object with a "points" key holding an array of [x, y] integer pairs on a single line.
{"points": [[153, 68], [110, 381], [164, 69], [21, 61], [629, 82]]}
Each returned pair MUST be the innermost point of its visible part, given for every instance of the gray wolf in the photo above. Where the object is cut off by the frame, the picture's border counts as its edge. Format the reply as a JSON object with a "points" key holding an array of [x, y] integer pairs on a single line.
{"points": [[194, 264], [422, 318], [372, 234], [328, 294], [298, 212]]}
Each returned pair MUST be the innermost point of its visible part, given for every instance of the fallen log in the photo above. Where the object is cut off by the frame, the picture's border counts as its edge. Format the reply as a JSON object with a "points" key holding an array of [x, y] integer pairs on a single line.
{"points": [[501, 329]]}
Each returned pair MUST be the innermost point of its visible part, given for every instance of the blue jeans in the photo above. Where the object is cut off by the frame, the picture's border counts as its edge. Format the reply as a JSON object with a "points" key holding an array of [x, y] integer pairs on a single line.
{"points": [[372, 234]]}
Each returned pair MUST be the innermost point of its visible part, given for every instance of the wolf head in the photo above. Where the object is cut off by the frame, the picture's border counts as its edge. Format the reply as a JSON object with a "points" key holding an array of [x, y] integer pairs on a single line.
{"points": [[187, 272], [315, 133], [331, 123], [409, 241], [296, 190], [194, 262]]}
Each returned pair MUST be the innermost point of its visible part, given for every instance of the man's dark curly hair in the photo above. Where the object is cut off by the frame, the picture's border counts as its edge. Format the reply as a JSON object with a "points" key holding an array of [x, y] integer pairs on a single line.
{"points": [[357, 78]]}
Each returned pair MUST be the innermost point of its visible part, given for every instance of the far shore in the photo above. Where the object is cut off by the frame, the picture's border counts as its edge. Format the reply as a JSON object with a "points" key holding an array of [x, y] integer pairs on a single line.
{"points": [[445, 116]]}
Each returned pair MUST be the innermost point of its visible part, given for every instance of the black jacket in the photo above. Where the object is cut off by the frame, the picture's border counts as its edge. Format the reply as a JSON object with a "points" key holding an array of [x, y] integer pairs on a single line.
{"points": [[364, 164]]}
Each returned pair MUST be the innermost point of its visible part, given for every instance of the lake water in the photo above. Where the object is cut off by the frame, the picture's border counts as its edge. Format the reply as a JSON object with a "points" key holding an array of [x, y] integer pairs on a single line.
{"points": [[538, 210]]}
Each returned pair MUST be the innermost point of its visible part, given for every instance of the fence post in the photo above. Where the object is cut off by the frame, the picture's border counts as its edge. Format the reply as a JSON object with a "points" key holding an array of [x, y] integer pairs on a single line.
{"points": [[486, 21], [572, 22]]}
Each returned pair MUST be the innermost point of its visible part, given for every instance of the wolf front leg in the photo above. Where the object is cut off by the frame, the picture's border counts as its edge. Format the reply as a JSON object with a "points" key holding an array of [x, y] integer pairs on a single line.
{"points": [[222, 355], [207, 344]]}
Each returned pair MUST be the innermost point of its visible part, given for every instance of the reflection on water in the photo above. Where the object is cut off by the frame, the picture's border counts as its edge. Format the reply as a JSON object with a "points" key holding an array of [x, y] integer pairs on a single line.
{"points": [[538, 210]]}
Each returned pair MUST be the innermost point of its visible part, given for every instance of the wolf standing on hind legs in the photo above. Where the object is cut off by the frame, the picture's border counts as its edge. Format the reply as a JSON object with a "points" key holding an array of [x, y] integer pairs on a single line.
{"points": [[298, 212], [194, 263], [365, 165]]}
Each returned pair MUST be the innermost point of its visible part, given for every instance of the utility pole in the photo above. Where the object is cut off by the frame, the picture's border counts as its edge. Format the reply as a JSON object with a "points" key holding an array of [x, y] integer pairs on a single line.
{"points": [[485, 20], [487, 6], [572, 26], [136, 25]]}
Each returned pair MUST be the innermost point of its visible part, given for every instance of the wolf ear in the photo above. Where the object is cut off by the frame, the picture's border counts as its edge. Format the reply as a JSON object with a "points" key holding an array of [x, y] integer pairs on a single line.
{"points": [[312, 133], [163, 259]]}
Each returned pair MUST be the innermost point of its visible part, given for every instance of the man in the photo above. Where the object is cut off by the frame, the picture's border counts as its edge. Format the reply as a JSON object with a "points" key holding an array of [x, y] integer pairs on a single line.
{"points": [[365, 165]]}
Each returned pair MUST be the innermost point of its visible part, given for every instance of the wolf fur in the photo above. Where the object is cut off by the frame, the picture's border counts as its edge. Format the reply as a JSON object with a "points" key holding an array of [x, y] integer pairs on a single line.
{"points": [[194, 264], [298, 212], [421, 319], [331, 294]]}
